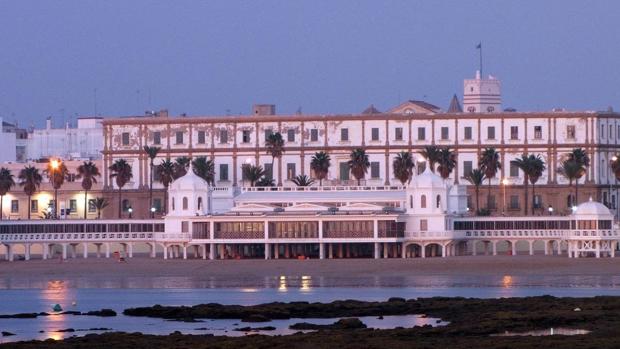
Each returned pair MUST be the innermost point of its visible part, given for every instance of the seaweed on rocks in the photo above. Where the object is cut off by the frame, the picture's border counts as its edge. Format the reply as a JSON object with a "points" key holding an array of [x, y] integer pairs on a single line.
{"points": [[342, 324]]}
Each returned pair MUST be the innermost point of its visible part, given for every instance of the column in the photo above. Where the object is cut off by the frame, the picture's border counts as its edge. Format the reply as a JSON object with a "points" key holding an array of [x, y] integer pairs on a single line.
{"points": [[107, 250], [276, 251], [570, 249], [546, 247], [331, 251], [85, 250], [204, 251], [612, 253], [404, 250], [423, 250], [531, 247], [130, 249], [377, 250], [165, 251], [46, 251], [98, 246], [267, 251], [597, 245], [559, 248], [321, 250], [494, 243], [9, 249], [153, 250], [513, 245], [184, 251], [73, 248], [443, 251], [375, 228], [27, 251], [64, 251], [385, 250]]}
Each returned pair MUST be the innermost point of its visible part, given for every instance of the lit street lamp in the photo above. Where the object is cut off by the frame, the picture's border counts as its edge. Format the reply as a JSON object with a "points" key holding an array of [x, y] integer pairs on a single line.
{"points": [[130, 210], [153, 212], [53, 168], [550, 209], [505, 182]]}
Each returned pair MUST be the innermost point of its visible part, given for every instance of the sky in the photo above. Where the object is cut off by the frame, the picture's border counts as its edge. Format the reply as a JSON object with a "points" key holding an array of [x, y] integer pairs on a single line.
{"points": [[112, 58]]}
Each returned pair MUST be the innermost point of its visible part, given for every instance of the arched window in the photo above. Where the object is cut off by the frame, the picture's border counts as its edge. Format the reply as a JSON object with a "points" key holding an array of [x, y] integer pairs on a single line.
{"points": [[185, 204], [438, 201], [199, 202], [423, 201], [126, 204], [570, 199], [172, 202], [411, 201]]}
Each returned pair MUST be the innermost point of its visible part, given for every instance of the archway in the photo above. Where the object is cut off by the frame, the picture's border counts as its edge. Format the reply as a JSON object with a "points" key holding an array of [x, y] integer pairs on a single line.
{"points": [[522, 247], [433, 250], [413, 250]]}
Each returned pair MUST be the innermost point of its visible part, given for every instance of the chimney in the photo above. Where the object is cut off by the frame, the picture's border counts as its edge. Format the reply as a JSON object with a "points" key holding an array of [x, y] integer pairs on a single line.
{"points": [[163, 113], [264, 109], [48, 123]]}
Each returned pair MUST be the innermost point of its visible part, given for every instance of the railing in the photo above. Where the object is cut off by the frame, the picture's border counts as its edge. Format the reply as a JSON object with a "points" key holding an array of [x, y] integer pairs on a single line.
{"points": [[348, 234], [76, 237], [173, 236], [433, 234], [327, 188], [603, 234], [516, 234]]}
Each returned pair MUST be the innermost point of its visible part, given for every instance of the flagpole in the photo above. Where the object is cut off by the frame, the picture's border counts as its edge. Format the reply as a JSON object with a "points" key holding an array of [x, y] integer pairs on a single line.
{"points": [[480, 47]]}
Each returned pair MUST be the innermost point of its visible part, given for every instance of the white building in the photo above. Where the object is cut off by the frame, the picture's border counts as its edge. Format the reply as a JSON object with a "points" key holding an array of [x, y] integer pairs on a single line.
{"points": [[82, 142], [482, 95]]}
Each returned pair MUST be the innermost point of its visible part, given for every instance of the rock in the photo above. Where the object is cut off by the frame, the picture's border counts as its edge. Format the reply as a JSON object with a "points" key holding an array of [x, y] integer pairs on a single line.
{"points": [[250, 329], [66, 330], [380, 317], [20, 316], [342, 324], [7, 334], [102, 313], [255, 318], [396, 299]]}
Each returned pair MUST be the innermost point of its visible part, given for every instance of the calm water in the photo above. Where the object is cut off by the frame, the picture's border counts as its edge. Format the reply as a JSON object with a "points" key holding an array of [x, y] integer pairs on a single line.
{"points": [[24, 295]]}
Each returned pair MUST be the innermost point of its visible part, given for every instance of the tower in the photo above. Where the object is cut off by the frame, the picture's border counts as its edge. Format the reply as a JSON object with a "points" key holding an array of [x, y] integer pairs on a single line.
{"points": [[482, 95]]}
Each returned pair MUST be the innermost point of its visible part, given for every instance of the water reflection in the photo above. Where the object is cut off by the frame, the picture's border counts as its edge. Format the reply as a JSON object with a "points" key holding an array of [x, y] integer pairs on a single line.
{"points": [[282, 286], [559, 331], [306, 283], [507, 281]]}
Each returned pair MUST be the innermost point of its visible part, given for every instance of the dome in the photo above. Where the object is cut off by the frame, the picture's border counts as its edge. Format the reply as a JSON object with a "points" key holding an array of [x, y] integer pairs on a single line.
{"points": [[428, 179], [592, 208], [190, 181]]}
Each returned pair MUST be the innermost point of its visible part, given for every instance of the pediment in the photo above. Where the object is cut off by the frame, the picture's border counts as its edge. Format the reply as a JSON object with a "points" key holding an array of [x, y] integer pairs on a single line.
{"points": [[252, 207], [306, 207], [360, 206]]}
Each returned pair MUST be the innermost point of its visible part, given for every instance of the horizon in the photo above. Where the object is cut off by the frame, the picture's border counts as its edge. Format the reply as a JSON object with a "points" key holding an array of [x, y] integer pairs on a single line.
{"points": [[74, 58]]}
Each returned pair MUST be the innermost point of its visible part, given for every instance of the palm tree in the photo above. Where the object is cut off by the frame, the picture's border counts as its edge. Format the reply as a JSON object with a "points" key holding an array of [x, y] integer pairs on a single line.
{"points": [[572, 171], [580, 157], [402, 166], [265, 182], [7, 181], [615, 166], [204, 169], [303, 181], [167, 174], [100, 204], [30, 179], [447, 162], [56, 172], [275, 148], [181, 164], [524, 163], [121, 171], [88, 172], [432, 155], [537, 167], [320, 164], [359, 164], [490, 165], [151, 152], [476, 177], [252, 173]]}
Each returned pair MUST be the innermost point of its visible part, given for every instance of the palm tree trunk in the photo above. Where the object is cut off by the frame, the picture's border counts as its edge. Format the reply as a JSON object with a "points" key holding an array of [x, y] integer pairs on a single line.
{"points": [[1, 200], [151, 190], [28, 206], [165, 200], [119, 203], [533, 197], [489, 196], [526, 197], [85, 202], [98, 213], [477, 199], [577, 192], [55, 203]]}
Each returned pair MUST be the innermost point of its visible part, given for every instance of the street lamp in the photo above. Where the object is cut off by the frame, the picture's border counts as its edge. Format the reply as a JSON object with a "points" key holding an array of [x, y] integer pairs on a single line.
{"points": [[612, 204], [130, 210], [54, 167], [550, 209], [505, 182], [153, 212], [574, 208]]}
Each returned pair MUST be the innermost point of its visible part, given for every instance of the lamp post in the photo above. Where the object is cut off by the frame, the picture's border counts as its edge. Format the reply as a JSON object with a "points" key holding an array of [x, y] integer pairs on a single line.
{"points": [[612, 205], [505, 182], [54, 166], [130, 210], [550, 209], [153, 212]]}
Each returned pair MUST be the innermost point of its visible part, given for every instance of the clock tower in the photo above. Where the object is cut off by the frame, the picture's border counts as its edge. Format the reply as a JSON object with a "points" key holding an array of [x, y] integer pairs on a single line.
{"points": [[482, 95]]}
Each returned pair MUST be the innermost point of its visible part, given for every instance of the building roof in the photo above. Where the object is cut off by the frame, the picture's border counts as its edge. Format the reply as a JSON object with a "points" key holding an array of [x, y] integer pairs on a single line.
{"points": [[371, 110], [424, 104], [427, 180], [335, 196], [592, 208], [455, 106], [190, 181]]}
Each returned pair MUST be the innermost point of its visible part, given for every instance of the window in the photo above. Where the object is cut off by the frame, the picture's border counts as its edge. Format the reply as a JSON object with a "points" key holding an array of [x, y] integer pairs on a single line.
{"points": [[34, 205], [157, 204], [570, 131], [374, 134], [314, 135], [438, 201], [423, 201], [467, 133], [444, 133], [223, 172], [14, 206], [514, 132], [72, 206], [185, 203], [514, 170], [421, 166], [290, 135], [421, 133], [514, 202], [157, 137], [344, 134], [125, 137], [537, 201], [491, 132], [201, 137], [268, 133], [374, 169], [344, 171], [410, 201], [125, 205], [290, 171], [537, 132], [223, 136], [184, 227], [398, 134], [467, 168], [602, 131], [423, 224], [610, 131], [245, 138], [268, 168], [570, 199], [179, 137], [199, 203], [91, 206], [492, 204]]}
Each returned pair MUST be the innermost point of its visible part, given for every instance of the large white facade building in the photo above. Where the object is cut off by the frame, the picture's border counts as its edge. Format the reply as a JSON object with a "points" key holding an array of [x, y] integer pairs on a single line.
{"points": [[85, 141]]}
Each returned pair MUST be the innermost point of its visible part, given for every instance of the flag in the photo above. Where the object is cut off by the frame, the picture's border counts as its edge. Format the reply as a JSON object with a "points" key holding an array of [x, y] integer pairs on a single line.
{"points": [[479, 45]]}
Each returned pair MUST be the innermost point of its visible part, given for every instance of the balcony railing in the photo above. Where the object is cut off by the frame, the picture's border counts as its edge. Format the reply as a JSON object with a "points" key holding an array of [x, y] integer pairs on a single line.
{"points": [[327, 188]]}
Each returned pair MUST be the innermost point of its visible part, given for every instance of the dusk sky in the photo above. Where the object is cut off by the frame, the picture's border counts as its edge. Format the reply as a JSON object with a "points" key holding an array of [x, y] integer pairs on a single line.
{"points": [[210, 57]]}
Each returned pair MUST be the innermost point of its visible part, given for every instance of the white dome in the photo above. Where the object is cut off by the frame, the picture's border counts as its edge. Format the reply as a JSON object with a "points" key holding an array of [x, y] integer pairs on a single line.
{"points": [[190, 181], [428, 179], [592, 208]]}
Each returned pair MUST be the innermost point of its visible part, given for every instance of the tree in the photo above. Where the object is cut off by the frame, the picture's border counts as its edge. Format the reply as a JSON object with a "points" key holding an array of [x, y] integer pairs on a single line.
{"points": [[303, 181], [167, 174], [320, 164], [121, 171], [181, 165], [204, 169], [580, 157], [359, 164], [252, 173], [490, 165], [402, 166], [447, 162], [56, 172], [100, 204], [572, 171], [537, 167], [275, 148], [30, 179], [151, 152], [7, 181], [476, 177], [88, 172], [524, 163], [265, 182], [615, 166], [432, 155]]}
